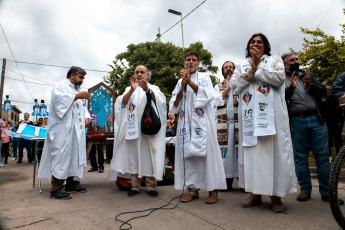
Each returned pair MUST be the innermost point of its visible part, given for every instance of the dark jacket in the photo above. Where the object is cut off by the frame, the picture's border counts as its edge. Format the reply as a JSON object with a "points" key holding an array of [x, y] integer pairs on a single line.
{"points": [[338, 88], [316, 90]]}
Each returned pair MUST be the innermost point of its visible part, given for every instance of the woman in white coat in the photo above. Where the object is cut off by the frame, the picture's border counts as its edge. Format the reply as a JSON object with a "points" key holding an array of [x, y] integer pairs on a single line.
{"points": [[266, 165]]}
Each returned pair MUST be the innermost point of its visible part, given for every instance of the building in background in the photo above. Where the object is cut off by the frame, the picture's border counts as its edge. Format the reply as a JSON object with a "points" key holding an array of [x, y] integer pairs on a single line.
{"points": [[11, 115]]}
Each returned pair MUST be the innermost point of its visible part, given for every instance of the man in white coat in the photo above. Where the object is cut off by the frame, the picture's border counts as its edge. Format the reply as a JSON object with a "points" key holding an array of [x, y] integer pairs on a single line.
{"points": [[137, 154], [64, 151], [266, 165], [198, 162]]}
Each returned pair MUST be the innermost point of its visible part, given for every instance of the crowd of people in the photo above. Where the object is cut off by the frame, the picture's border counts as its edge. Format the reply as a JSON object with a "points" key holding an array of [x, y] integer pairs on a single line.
{"points": [[257, 126], [14, 146]]}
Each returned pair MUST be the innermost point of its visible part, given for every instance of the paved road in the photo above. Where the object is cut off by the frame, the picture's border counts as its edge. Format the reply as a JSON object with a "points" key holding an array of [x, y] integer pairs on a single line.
{"points": [[23, 207]]}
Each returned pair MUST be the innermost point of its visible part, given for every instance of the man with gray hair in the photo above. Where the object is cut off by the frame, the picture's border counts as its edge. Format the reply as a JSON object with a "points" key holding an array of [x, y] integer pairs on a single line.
{"points": [[64, 151], [136, 154], [304, 95]]}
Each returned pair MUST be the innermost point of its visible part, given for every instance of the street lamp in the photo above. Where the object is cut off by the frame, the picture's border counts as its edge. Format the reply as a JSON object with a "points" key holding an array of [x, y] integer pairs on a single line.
{"points": [[179, 14]]}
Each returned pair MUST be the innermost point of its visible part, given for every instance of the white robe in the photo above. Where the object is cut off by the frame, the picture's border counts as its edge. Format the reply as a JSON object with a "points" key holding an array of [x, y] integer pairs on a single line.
{"points": [[136, 156], [200, 172], [268, 167], [64, 151], [230, 155]]}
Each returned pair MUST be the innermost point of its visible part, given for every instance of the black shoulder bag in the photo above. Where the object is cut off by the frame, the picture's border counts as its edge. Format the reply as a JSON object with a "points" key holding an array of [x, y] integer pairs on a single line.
{"points": [[150, 121]]}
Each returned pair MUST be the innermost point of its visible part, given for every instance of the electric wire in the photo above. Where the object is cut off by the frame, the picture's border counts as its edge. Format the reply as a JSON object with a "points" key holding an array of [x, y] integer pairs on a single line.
{"points": [[47, 83], [57, 66], [180, 20], [15, 60], [326, 13], [26, 102], [29, 81]]}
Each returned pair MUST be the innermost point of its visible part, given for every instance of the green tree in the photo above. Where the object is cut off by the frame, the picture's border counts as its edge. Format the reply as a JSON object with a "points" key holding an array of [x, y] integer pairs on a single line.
{"points": [[165, 60], [323, 54]]}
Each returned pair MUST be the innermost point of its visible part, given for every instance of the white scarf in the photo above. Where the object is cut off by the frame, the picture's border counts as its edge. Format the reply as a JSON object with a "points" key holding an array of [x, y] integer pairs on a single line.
{"points": [[257, 108], [132, 131], [193, 142]]}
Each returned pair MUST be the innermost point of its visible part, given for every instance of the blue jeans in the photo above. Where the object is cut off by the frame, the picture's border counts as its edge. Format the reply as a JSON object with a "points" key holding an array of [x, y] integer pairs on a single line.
{"points": [[14, 147], [307, 134]]}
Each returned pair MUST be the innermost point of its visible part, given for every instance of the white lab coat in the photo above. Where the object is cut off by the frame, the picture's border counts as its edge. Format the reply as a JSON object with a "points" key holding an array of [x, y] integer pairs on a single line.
{"points": [[64, 151], [137, 156], [268, 167], [200, 172]]}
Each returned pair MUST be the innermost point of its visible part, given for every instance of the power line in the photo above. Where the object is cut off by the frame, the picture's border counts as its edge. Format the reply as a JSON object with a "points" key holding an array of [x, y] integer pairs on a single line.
{"points": [[15, 60], [326, 13], [47, 83], [180, 20], [26, 102], [57, 66], [29, 81]]}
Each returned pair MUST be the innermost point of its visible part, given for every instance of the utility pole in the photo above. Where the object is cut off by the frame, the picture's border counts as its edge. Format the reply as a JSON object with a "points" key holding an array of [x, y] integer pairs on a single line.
{"points": [[2, 83], [159, 35]]}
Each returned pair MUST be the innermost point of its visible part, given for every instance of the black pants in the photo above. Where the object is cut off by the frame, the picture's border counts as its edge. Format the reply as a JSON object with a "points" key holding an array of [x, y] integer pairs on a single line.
{"points": [[100, 157], [109, 153], [4, 151], [27, 144], [335, 134]]}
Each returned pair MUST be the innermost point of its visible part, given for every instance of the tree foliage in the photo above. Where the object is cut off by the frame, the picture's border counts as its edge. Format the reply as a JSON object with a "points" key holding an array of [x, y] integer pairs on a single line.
{"points": [[323, 54], [165, 60]]}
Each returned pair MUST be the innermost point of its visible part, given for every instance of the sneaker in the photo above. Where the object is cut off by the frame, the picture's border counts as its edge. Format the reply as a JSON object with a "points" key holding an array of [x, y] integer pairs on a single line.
{"points": [[2, 165], [60, 195], [14, 158], [101, 170], [132, 192], [153, 193], [80, 189]]}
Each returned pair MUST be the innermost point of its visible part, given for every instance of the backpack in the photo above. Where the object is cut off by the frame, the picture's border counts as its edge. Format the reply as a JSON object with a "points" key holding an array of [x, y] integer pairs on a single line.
{"points": [[150, 121]]}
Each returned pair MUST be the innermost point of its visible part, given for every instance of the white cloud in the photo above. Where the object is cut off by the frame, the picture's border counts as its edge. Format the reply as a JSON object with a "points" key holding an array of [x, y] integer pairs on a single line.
{"points": [[90, 34]]}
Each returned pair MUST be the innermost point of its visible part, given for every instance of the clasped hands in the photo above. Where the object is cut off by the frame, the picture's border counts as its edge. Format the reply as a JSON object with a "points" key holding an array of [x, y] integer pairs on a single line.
{"points": [[185, 75]]}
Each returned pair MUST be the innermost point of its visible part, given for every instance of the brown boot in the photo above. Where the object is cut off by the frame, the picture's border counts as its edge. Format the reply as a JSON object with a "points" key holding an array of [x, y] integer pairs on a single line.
{"points": [[212, 197], [252, 200], [277, 205]]}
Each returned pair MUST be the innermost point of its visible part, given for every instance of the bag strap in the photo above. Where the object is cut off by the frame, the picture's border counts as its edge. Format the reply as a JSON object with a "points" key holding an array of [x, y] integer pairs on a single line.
{"points": [[149, 99]]}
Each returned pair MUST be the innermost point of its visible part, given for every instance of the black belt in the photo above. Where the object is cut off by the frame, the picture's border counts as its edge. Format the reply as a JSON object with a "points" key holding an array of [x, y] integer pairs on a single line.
{"points": [[304, 114]]}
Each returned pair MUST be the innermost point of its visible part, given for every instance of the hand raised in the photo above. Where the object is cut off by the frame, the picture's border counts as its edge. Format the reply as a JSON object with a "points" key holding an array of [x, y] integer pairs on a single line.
{"points": [[293, 80], [143, 84], [307, 81], [133, 82], [185, 75], [82, 95]]}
